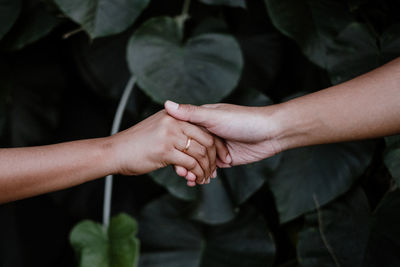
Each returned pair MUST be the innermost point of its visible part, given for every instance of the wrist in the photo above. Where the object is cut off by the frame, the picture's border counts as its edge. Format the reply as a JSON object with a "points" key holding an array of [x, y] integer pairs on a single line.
{"points": [[109, 155], [294, 127]]}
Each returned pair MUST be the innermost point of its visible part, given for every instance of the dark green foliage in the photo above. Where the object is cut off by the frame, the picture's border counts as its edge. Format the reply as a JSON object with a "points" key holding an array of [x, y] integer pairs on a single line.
{"points": [[355, 235], [9, 10], [253, 53], [176, 241]]}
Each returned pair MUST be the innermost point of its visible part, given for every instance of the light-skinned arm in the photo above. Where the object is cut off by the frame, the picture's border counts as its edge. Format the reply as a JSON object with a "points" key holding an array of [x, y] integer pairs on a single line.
{"points": [[365, 107], [153, 143]]}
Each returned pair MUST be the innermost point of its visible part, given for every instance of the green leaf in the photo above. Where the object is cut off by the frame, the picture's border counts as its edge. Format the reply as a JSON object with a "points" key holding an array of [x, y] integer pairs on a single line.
{"points": [[331, 37], [35, 24], [204, 69], [233, 3], [326, 171], [9, 11], [170, 240], [312, 24], [210, 203], [356, 236], [392, 157], [101, 18], [117, 248]]}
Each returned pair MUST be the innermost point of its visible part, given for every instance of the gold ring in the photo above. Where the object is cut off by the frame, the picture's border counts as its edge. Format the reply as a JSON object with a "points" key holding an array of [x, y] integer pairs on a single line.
{"points": [[187, 144]]}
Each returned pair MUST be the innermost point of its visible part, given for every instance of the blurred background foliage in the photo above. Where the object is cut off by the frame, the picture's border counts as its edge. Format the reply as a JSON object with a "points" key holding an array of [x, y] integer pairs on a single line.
{"points": [[64, 64]]}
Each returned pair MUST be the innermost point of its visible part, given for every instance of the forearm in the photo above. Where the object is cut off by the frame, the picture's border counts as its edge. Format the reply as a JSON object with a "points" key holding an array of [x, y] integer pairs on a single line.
{"points": [[31, 171], [365, 107]]}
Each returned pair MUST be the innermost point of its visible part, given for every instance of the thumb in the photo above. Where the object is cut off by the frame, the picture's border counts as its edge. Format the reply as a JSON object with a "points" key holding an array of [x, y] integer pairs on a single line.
{"points": [[190, 113]]}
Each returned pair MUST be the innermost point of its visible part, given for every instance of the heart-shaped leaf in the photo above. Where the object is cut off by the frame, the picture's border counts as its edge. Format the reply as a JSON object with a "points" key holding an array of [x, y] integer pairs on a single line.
{"points": [[118, 247], [101, 18], [9, 11], [170, 240], [204, 69], [233, 3], [346, 233], [326, 171]]}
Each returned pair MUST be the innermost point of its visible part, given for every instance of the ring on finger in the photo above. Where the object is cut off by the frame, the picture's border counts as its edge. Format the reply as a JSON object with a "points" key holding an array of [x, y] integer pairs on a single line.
{"points": [[188, 142]]}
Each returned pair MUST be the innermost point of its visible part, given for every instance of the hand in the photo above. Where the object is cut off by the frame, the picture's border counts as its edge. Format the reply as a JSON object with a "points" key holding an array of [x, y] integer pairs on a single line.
{"points": [[248, 132], [159, 141]]}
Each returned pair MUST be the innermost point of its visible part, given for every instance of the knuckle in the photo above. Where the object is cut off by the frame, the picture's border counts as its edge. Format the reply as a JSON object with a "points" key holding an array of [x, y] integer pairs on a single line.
{"points": [[210, 141], [203, 152]]}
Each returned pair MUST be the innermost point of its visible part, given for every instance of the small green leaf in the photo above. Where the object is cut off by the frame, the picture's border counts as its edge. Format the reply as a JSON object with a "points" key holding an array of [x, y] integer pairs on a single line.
{"points": [[170, 240], [233, 3], [101, 18], [204, 69], [9, 11], [117, 248]]}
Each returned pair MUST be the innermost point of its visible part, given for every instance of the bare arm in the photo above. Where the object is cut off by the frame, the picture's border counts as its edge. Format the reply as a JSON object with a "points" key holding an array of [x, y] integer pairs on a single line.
{"points": [[32, 171], [365, 107], [156, 142]]}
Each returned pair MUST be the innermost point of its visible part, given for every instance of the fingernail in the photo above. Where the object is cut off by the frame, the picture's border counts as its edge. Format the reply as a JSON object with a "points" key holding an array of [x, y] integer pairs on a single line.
{"points": [[214, 174], [171, 105], [208, 180], [228, 159]]}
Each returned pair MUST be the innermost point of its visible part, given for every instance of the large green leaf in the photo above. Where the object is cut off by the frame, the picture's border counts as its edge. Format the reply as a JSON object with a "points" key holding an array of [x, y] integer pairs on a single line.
{"points": [[170, 240], [204, 69], [118, 247], [331, 37], [234, 3], [354, 235], [312, 23], [392, 156], [326, 171], [101, 18], [9, 11], [35, 24]]}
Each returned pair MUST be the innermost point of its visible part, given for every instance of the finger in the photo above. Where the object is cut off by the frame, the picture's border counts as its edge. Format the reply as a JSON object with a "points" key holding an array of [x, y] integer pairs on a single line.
{"points": [[189, 163], [191, 184], [221, 164], [222, 151], [200, 153], [181, 171], [190, 113], [191, 177], [197, 133]]}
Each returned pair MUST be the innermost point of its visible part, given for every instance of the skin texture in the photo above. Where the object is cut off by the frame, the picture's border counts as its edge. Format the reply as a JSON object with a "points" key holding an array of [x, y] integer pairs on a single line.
{"points": [[365, 107], [154, 143]]}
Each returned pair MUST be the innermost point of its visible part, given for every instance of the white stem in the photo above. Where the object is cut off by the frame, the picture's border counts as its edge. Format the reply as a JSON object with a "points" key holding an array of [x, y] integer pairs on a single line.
{"points": [[115, 128]]}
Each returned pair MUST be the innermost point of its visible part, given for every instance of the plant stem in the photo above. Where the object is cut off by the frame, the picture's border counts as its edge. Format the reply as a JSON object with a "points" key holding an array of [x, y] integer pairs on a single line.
{"points": [[115, 128], [181, 19], [185, 8]]}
